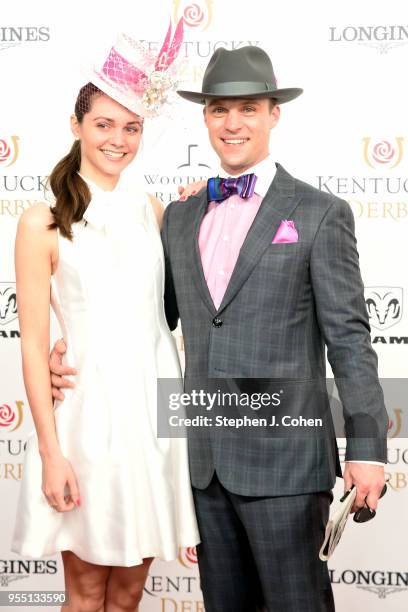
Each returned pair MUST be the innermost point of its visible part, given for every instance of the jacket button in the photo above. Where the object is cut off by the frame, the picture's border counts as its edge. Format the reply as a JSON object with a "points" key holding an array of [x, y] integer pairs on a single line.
{"points": [[217, 322]]}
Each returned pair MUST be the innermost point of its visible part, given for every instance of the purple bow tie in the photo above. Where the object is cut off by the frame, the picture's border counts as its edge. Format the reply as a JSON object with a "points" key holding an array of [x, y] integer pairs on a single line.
{"points": [[219, 189]]}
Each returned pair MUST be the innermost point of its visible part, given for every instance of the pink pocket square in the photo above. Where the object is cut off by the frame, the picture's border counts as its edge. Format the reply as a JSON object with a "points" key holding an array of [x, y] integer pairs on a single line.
{"points": [[287, 232]]}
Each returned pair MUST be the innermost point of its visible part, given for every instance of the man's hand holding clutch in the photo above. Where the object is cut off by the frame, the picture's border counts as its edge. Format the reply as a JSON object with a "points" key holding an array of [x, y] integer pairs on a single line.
{"points": [[369, 481], [361, 484]]}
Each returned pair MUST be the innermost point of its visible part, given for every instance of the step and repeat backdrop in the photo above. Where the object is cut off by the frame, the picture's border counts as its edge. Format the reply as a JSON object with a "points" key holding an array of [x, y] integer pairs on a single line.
{"points": [[347, 135]]}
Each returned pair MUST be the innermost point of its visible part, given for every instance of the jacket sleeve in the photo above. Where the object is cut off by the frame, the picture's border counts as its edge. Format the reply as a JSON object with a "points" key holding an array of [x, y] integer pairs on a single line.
{"points": [[170, 300], [342, 315]]}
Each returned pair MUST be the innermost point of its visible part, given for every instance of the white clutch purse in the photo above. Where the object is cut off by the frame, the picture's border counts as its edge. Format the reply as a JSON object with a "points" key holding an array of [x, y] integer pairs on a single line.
{"points": [[337, 523]]}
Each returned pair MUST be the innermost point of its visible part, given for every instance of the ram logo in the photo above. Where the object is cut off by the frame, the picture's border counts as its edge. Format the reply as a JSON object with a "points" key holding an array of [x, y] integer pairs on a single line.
{"points": [[8, 303], [384, 305]]}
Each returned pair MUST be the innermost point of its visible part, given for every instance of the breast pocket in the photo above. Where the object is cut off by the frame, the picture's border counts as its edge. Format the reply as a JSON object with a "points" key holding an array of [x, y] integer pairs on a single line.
{"points": [[283, 269], [285, 247], [287, 256]]}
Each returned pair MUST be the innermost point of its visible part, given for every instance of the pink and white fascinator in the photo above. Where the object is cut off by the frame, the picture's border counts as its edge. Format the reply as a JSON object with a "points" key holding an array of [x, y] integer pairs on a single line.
{"points": [[137, 78]]}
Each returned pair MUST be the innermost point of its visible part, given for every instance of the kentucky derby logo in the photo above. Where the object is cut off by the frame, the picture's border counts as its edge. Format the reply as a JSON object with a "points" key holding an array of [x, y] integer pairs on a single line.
{"points": [[383, 153], [394, 424], [188, 557], [384, 305], [8, 151], [195, 14], [8, 303], [11, 418]]}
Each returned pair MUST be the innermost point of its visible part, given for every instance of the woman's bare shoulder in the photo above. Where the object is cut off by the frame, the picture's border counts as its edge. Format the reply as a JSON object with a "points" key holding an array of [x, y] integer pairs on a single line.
{"points": [[38, 216]]}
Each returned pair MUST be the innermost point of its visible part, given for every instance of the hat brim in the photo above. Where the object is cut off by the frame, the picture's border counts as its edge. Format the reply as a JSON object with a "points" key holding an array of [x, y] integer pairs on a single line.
{"points": [[280, 95]]}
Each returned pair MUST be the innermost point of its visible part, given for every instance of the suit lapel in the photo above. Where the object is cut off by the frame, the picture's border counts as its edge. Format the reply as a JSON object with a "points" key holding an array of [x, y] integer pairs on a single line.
{"points": [[278, 204], [197, 272]]}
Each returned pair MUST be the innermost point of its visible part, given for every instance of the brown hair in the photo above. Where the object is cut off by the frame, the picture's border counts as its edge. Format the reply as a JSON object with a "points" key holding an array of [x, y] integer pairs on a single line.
{"points": [[72, 194]]}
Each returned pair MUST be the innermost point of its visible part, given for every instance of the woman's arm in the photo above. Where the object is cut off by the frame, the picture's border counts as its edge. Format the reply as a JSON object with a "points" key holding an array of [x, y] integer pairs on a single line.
{"points": [[35, 251], [35, 258]]}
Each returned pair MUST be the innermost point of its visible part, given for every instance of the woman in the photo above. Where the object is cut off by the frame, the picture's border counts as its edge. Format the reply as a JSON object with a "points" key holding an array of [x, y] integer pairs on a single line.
{"points": [[98, 485]]}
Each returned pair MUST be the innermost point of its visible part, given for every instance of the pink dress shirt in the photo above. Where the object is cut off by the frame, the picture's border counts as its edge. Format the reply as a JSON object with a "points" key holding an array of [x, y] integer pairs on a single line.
{"points": [[222, 234], [224, 229]]}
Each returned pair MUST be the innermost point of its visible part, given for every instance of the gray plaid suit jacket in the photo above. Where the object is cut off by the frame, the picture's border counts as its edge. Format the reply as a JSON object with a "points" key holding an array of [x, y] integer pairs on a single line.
{"points": [[283, 305]]}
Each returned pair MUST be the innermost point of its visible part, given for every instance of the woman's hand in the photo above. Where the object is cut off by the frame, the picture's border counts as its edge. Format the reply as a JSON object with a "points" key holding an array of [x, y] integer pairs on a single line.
{"points": [[190, 189], [57, 479]]}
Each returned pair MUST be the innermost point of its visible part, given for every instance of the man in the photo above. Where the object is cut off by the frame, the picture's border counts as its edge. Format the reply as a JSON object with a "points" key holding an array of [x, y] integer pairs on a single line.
{"points": [[251, 307], [261, 284]]}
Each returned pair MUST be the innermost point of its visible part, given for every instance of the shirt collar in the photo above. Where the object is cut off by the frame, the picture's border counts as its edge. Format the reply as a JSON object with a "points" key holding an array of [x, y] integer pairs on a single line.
{"points": [[98, 209], [265, 172], [96, 190]]}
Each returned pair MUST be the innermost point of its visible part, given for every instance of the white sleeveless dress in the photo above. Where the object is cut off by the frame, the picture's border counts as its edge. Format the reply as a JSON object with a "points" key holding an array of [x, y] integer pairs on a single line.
{"points": [[135, 491]]}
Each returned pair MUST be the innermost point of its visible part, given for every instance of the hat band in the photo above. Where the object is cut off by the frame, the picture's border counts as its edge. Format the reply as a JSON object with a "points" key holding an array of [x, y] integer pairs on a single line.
{"points": [[240, 87]]}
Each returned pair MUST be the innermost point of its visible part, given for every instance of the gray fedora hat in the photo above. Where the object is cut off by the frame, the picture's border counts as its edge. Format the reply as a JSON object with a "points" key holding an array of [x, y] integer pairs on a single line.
{"points": [[242, 73]]}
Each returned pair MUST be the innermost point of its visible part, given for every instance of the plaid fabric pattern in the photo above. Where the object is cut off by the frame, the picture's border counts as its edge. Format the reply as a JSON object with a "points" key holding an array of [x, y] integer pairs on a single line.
{"points": [[284, 304], [261, 554]]}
